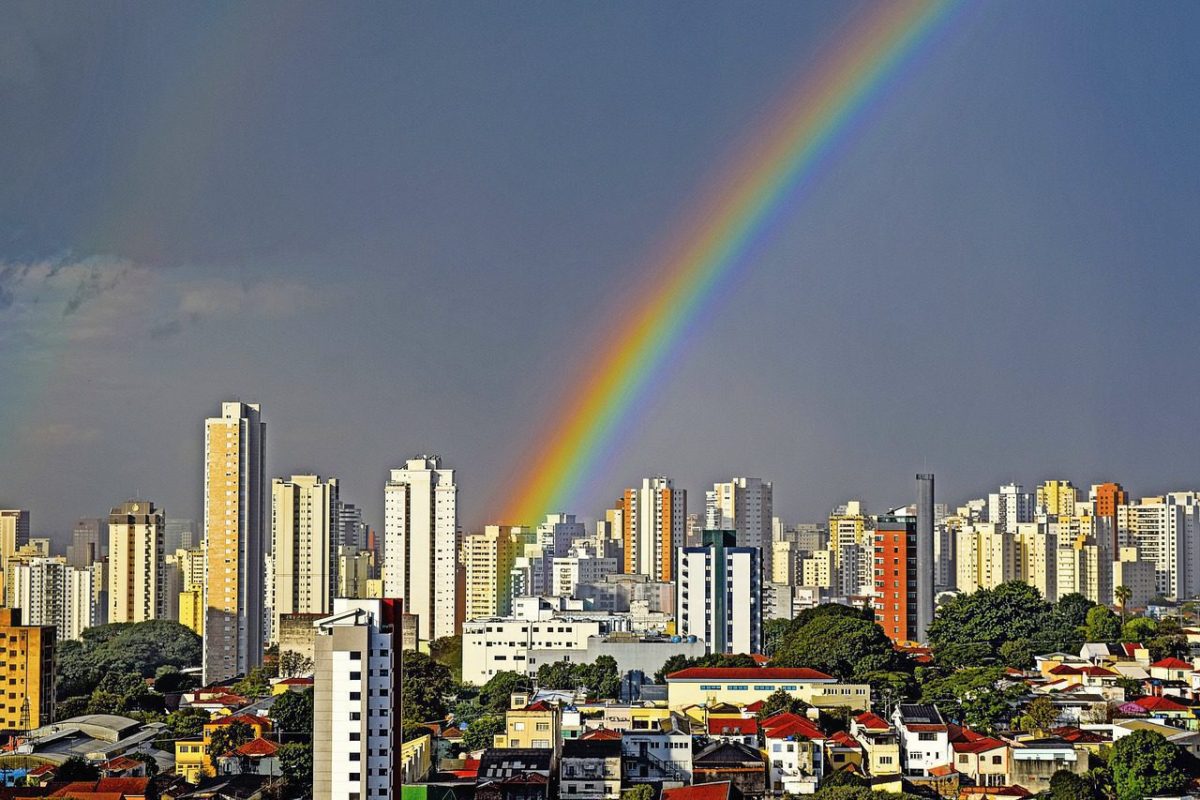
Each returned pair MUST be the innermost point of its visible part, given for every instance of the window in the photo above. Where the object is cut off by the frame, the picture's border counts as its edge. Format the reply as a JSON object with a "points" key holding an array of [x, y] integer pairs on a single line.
{"points": [[927, 737], [997, 759]]}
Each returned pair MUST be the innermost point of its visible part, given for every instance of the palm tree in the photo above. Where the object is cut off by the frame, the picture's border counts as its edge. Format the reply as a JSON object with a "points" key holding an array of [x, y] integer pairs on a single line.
{"points": [[1123, 595]]}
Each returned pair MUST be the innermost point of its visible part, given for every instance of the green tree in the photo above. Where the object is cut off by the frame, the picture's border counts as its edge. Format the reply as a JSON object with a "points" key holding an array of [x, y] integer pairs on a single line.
{"points": [[642, 791], [1073, 607], [425, 686], [978, 697], [296, 764], [863, 792], [148, 760], [254, 684], [228, 737], [1041, 713], [1066, 785], [447, 651], [890, 687], [186, 723], [480, 732], [1132, 686], [292, 713], [842, 779], [1017, 653], [138, 648], [168, 678], [1122, 594], [1169, 641], [76, 768], [1139, 629], [293, 664], [773, 632], [1102, 625], [1145, 764], [559, 675], [779, 702], [968, 630], [840, 645], [496, 693]]}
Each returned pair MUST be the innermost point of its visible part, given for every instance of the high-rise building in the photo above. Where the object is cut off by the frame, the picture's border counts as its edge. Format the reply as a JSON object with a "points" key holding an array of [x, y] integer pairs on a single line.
{"points": [[1106, 498], [488, 559], [14, 534], [1136, 575], [718, 594], [1055, 498], [351, 530], [1083, 569], [304, 532], [925, 563], [234, 540], [49, 591], [743, 505], [89, 541], [986, 556], [655, 521], [181, 534], [357, 715], [852, 548], [1010, 506], [420, 544], [1166, 531], [136, 563], [1036, 549], [897, 573], [27, 662]]}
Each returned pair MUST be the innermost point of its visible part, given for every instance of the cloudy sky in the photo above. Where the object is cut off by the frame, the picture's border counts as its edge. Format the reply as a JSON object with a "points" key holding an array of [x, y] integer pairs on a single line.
{"points": [[401, 228]]}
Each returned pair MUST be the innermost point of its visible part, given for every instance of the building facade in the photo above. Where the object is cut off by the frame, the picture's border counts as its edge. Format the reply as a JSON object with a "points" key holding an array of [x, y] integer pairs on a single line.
{"points": [[745, 506], [654, 519], [719, 594], [304, 533], [27, 661], [137, 573], [234, 540], [420, 544]]}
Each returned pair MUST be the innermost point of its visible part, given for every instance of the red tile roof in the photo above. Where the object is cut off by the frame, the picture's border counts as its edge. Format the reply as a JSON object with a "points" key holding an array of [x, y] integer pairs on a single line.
{"points": [[980, 745], [257, 748], [942, 770], [1064, 669], [755, 707], [749, 674], [121, 763], [1172, 663], [872, 721], [733, 727], [540, 705], [701, 791], [249, 719], [1158, 704], [793, 730], [601, 733], [843, 739]]}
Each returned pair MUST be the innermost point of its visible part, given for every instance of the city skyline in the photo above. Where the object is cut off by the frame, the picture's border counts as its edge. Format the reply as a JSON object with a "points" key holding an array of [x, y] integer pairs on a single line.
{"points": [[888, 325]]}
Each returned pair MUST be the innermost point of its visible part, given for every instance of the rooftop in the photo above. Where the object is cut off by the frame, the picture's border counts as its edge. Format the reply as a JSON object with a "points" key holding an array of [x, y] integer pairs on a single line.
{"points": [[750, 674]]}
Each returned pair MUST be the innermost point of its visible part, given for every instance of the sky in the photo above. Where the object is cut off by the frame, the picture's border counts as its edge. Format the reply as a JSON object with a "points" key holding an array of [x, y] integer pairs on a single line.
{"points": [[402, 228]]}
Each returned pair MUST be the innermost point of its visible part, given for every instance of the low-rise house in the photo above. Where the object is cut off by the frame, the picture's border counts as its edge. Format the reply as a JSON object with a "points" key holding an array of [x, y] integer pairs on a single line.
{"points": [[1081, 707], [536, 725], [734, 729], [723, 790], [843, 752], [1035, 760], [880, 744], [737, 763], [982, 759], [1171, 669], [1158, 708], [590, 769], [994, 793], [924, 738], [700, 686], [514, 774], [795, 752], [662, 755], [256, 757]]}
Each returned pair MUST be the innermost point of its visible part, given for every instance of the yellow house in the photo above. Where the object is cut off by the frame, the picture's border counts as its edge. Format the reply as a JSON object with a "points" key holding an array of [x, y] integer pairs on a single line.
{"points": [[707, 686], [416, 758], [880, 744], [631, 718], [191, 760], [535, 725]]}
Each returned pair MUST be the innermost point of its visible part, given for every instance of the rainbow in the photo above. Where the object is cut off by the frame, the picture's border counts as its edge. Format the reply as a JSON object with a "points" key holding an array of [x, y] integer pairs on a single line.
{"points": [[703, 256]]}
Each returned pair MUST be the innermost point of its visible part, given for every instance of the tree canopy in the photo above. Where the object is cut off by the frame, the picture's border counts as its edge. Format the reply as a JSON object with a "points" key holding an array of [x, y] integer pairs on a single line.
{"points": [[292, 713], [1144, 764], [601, 679], [426, 685], [971, 628], [843, 645], [137, 648]]}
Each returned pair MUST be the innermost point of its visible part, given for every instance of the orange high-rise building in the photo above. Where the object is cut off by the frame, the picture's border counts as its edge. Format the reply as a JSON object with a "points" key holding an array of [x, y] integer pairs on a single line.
{"points": [[654, 520], [896, 577]]}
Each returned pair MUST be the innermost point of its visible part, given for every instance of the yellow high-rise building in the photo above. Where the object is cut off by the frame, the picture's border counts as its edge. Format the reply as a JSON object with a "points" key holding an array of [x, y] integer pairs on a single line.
{"points": [[488, 560], [1056, 498], [191, 609], [137, 570], [986, 557], [27, 662], [234, 536], [851, 549]]}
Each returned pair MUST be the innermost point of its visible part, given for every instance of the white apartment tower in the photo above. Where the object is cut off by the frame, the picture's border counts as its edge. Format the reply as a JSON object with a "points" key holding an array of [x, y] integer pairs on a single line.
{"points": [[742, 505], [420, 544], [718, 594], [1010, 506], [234, 540], [49, 591], [1166, 531], [654, 518], [305, 527], [356, 688], [137, 573]]}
